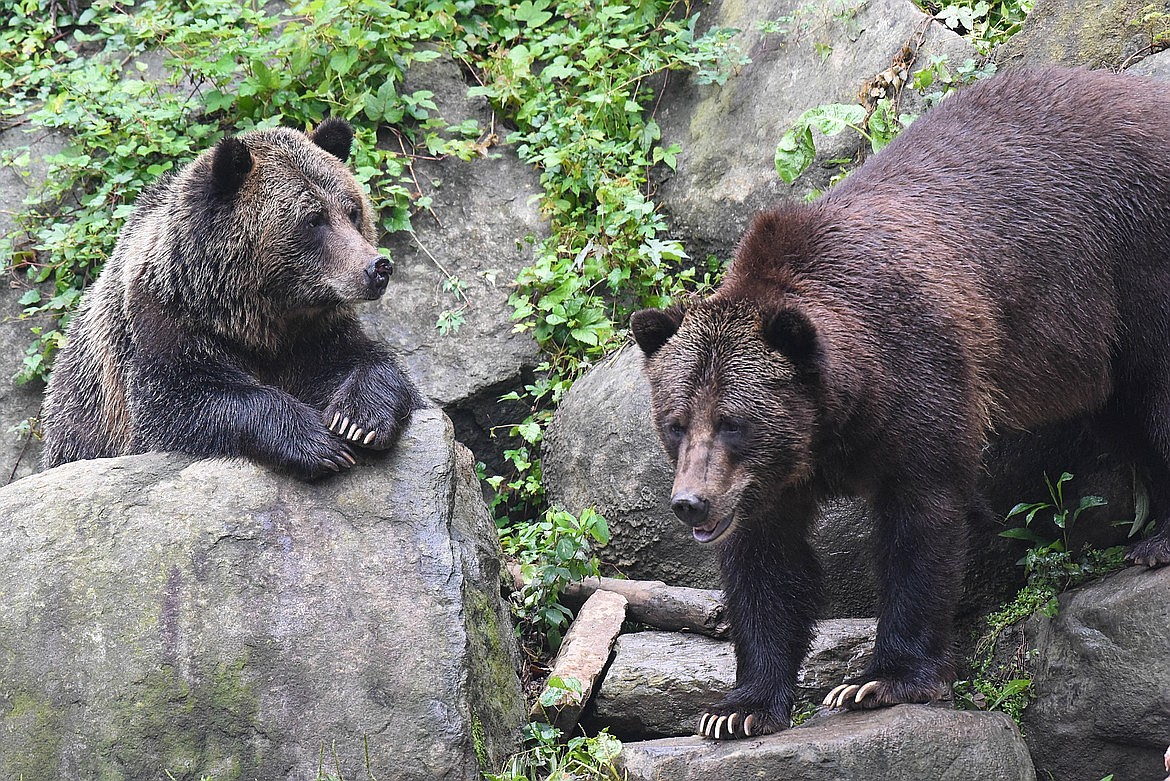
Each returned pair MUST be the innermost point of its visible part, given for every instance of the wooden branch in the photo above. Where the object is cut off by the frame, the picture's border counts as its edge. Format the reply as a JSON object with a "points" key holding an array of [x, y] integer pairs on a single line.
{"points": [[652, 602]]}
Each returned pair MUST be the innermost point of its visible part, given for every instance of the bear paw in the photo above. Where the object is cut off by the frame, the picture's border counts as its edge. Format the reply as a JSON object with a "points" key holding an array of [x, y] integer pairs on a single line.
{"points": [[882, 693], [315, 455], [735, 724], [1153, 552]]}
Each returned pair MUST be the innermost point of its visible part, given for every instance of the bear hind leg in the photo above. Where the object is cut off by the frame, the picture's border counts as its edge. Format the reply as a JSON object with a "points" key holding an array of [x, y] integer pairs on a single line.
{"points": [[1143, 425]]}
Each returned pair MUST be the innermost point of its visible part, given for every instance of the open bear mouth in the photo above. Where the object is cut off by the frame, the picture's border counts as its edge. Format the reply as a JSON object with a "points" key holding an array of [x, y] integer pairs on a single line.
{"points": [[714, 529]]}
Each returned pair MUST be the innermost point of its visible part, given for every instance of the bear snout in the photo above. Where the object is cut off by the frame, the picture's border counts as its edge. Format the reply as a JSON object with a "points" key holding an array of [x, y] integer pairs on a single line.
{"points": [[691, 509], [378, 275]]}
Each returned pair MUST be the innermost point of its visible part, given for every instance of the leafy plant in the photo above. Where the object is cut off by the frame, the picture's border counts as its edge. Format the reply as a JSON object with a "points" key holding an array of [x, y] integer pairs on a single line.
{"points": [[985, 23], [1154, 19], [999, 684], [547, 757], [552, 553], [878, 125], [796, 151], [1050, 564]]}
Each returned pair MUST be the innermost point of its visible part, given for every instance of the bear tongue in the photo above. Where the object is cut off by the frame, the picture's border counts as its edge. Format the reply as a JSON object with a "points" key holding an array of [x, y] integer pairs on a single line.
{"points": [[703, 533]]}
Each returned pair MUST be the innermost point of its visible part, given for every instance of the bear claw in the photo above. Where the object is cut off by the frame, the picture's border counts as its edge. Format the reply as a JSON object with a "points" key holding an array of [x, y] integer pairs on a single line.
{"points": [[840, 696], [1152, 553], [351, 431], [733, 725]]}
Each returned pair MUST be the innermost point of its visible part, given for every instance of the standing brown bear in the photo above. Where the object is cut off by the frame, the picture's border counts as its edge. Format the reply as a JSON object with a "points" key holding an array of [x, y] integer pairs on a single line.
{"points": [[1003, 264], [223, 323]]}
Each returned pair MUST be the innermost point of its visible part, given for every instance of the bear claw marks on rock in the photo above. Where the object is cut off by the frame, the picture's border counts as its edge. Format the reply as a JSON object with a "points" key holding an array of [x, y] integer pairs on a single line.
{"points": [[224, 322], [867, 344]]}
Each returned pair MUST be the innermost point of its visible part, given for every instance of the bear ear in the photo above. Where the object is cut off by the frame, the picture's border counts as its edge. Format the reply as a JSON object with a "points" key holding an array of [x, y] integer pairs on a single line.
{"points": [[335, 136], [790, 332], [230, 164], [653, 327]]}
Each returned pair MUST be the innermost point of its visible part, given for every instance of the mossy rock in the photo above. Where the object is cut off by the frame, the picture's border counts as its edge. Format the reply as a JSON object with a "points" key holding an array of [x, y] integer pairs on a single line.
{"points": [[167, 618]]}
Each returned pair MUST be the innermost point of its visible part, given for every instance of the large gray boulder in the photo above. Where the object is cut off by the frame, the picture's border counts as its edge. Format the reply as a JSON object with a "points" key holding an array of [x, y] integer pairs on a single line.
{"points": [[906, 743], [1101, 672], [163, 618], [483, 215], [729, 132], [1095, 33]]}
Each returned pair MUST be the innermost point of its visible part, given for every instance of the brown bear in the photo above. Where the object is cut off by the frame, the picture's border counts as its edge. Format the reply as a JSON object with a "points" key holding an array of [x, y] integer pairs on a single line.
{"points": [[1004, 263], [224, 323]]}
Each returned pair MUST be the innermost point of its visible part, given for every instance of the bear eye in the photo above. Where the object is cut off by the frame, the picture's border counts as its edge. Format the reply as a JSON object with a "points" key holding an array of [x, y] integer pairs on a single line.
{"points": [[355, 216], [317, 220], [730, 427], [676, 429]]}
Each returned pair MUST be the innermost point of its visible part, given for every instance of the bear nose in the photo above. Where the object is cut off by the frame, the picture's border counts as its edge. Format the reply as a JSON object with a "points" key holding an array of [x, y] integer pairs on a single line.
{"points": [[379, 271], [690, 509]]}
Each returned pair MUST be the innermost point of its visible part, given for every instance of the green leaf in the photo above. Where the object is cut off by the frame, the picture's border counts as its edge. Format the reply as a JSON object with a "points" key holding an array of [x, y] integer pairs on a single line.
{"points": [[1020, 533], [795, 153], [533, 13], [831, 119]]}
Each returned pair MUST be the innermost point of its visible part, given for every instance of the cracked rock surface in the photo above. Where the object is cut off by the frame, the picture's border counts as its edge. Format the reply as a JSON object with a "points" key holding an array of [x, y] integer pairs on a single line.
{"points": [[162, 615]]}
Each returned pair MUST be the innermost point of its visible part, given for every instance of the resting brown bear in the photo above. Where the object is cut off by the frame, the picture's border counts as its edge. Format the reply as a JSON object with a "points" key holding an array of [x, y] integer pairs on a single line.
{"points": [[1004, 263], [223, 323]]}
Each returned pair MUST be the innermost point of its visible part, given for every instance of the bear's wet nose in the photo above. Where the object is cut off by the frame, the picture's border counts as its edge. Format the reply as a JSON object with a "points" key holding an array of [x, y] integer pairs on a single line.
{"points": [[379, 271], [690, 509]]}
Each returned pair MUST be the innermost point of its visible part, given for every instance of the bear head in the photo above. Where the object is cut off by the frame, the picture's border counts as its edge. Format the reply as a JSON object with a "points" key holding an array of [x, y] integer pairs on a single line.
{"points": [[267, 228], [735, 394]]}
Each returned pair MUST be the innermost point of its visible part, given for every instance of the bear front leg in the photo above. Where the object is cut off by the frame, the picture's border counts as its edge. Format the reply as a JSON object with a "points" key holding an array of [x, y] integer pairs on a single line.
{"points": [[211, 408], [772, 588], [920, 549]]}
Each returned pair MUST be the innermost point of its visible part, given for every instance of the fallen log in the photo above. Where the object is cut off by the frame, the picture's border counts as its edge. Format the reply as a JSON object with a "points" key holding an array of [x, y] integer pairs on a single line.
{"points": [[652, 602]]}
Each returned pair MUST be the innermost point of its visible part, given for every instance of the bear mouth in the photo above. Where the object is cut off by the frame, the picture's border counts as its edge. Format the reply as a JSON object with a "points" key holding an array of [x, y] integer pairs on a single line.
{"points": [[714, 529]]}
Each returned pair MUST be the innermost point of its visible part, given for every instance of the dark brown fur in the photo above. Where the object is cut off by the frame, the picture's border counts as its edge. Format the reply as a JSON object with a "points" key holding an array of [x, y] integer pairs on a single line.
{"points": [[1003, 264]]}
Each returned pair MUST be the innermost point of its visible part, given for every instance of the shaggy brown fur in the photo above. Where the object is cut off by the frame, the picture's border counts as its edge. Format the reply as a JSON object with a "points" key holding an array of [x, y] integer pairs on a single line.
{"points": [[1004, 263], [223, 322]]}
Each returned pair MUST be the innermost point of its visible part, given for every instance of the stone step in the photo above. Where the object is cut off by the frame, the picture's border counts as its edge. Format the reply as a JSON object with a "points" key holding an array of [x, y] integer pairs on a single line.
{"points": [[659, 682], [905, 743]]}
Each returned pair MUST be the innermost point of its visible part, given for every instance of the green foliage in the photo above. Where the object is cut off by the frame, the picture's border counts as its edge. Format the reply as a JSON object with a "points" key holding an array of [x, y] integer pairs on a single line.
{"points": [[1154, 20], [546, 757], [1050, 564], [552, 553], [574, 82], [985, 24], [796, 150], [230, 67], [936, 81]]}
